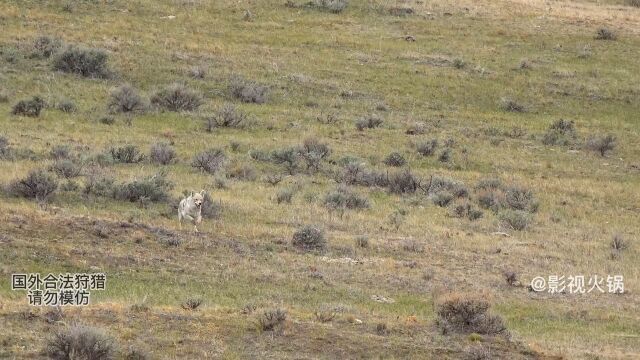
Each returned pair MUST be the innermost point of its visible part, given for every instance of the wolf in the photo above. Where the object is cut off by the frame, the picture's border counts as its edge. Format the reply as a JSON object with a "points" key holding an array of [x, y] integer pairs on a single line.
{"points": [[190, 209]]}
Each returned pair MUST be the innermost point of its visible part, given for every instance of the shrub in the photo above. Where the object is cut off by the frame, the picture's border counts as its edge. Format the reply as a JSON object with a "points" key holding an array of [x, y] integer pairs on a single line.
{"points": [[242, 172], [191, 304], [198, 72], [368, 122], [403, 182], [127, 154], [313, 152], [154, 188], [518, 198], [259, 155], [177, 97], [273, 179], [66, 168], [82, 61], [288, 157], [100, 185], [446, 155], [395, 159], [248, 91], [125, 99], [605, 34], [601, 144], [45, 46], [634, 3], [67, 106], [466, 210], [227, 116], [272, 319], [427, 148], [561, 132], [5, 149], [81, 342], [284, 196], [343, 198], [162, 153], [491, 199], [107, 120], [59, 152], [512, 105], [4, 95], [362, 242], [355, 173], [417, 128], [489, 184], [467, 314], [459, 63], [38, 185], [442, 198], [31, 107], [333, 6], [516, 219], [440, 184], [209, 161], [309, 237], [618, 243], [211, 209]]}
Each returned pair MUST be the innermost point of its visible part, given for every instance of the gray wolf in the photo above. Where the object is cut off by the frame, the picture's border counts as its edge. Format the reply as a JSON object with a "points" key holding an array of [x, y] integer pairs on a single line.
{"points": [[190, 209]]}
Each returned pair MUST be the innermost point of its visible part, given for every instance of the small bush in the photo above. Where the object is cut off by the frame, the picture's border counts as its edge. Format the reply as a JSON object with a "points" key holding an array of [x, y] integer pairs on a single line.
{"points": [[5, 149], [211, 209], [332, 6], [459, 63], [343, 198], [259, 155], [442, 198], [228, 116], [605, 34], [177, 97], [634, 3], [309, 238], [107, 120], [466, 210], [512, 105], [442, 184], [67, 106], [59, 152], [518, 198], [403, 182], [31, 108], [192, 304], [66, 168], [37, 185], [288, 157], [125, 99], [446, 155], [427, 148], [162, 153], [209, 161], [198, 72], [489, 184], [248, 91], [154, 188], [82, 61], [285, 196], [81, 342], [516, 219], [467, 314], [45, 46], [395, 159], [601, 144], [100, 185], [273, 179], [244, 172], [561, 132], [313, 152], [127, 154], [417, 128], [362, 242], [618, 243], [368, 122], [272, 319]]}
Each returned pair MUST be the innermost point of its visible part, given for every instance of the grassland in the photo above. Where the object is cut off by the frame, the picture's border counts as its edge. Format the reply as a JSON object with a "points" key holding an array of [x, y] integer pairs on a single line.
{"points": [[466, 58]]}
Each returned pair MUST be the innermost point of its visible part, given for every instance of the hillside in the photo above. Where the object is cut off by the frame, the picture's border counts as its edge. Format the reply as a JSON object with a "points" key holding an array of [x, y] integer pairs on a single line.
{"points": [[376, 176]]}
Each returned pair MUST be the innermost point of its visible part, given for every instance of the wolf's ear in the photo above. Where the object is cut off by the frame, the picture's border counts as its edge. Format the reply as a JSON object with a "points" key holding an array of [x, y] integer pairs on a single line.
{"points": [[202, 192]]}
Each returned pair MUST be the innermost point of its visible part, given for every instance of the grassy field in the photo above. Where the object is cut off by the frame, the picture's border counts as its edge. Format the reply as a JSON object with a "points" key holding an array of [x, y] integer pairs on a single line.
{"points": [[485, 79]]}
